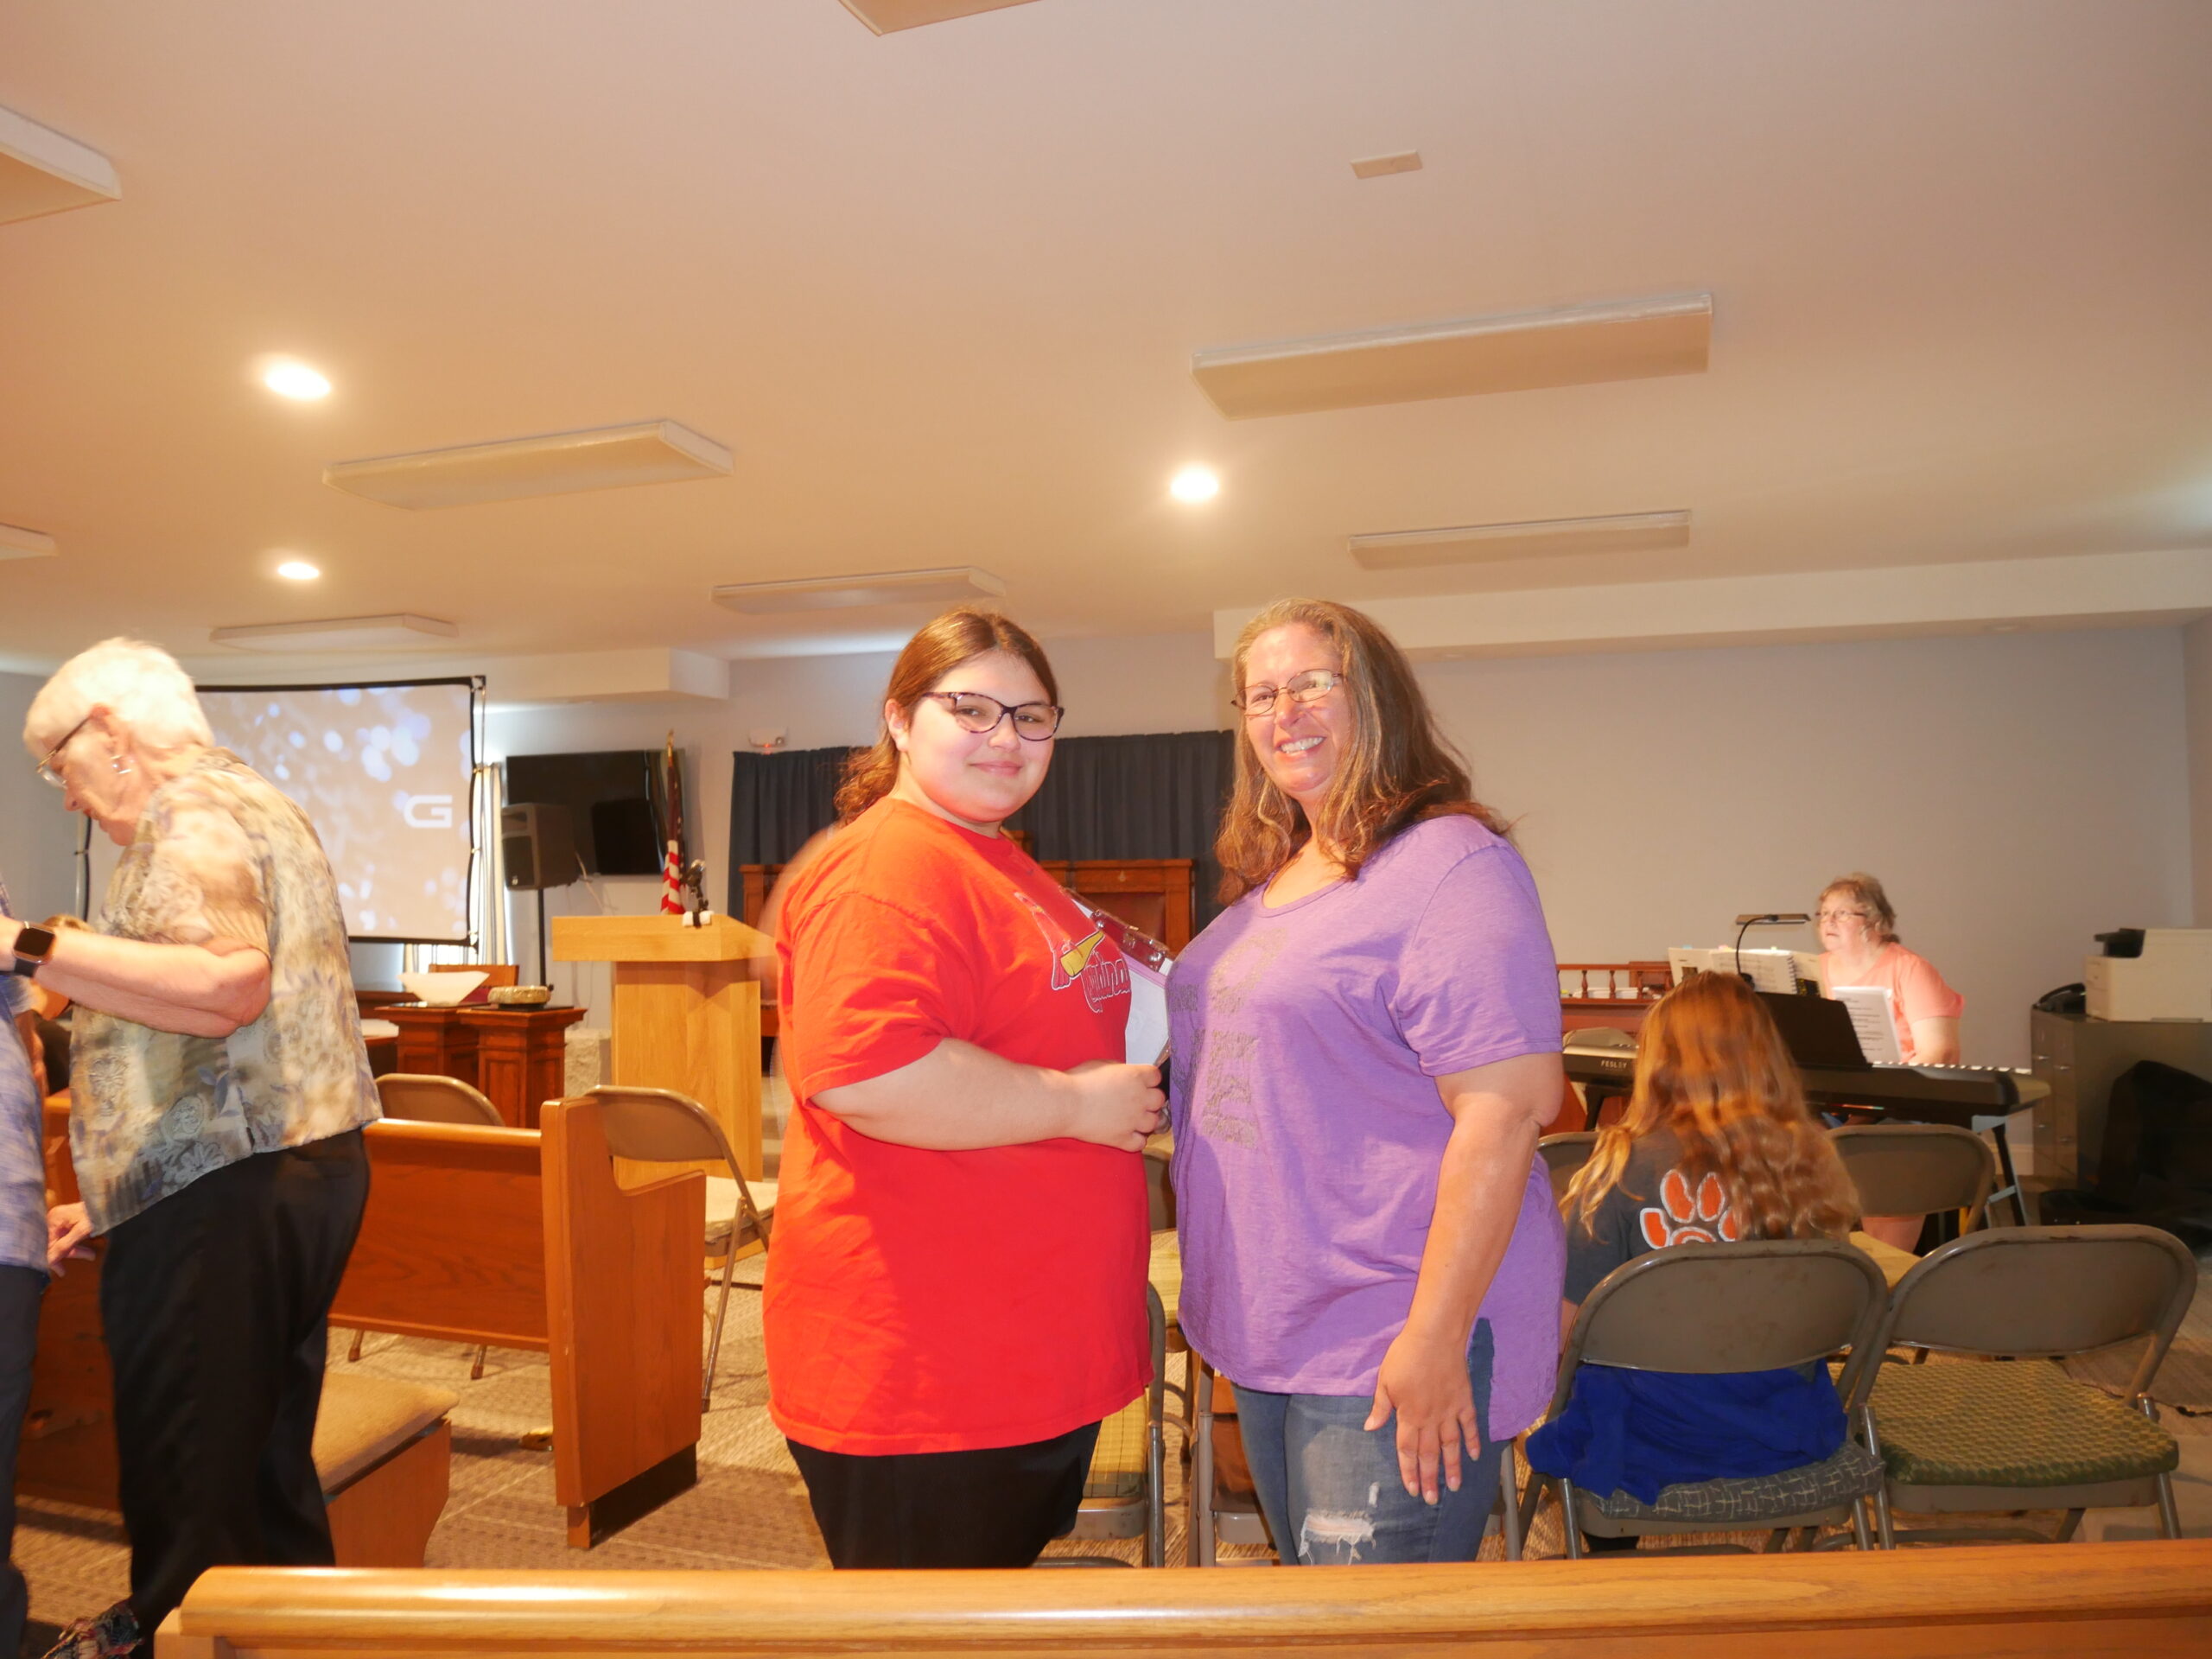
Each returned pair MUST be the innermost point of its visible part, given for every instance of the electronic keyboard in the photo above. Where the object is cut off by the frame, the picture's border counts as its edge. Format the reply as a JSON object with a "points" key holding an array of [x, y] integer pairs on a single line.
{"points": [[1921, 1094]]}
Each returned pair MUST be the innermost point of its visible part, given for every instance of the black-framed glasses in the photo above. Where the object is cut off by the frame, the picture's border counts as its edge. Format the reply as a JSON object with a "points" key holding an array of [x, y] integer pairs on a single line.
{"points": [[46, 766], [973, 712], [1311, 686]]}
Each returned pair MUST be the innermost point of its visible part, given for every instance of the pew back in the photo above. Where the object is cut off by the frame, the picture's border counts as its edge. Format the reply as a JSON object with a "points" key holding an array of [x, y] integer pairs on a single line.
{"points": [[453, 1242], [2145, 1600]]}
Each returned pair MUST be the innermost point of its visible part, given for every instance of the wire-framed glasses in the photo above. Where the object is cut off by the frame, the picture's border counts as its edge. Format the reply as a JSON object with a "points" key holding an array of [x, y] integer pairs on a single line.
{"points": [[46, 767], [973, 712], [1311, 686]]}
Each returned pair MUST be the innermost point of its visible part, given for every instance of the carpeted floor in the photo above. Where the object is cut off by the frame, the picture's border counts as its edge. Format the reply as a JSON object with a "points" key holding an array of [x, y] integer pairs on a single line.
{"points": [[749, 1507]]}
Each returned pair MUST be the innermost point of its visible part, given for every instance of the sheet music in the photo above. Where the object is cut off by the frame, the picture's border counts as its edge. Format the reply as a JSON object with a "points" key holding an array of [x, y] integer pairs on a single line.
{"points": [[1767, 970], [1874, 1018]]}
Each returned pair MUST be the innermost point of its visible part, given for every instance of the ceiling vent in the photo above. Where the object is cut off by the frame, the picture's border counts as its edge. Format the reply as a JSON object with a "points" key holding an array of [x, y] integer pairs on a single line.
{"points": [[339, 633], [559, 463], [19, 543], [944, 587], [1568, 346], [1618, 532], [42, 171], [889, 16]]}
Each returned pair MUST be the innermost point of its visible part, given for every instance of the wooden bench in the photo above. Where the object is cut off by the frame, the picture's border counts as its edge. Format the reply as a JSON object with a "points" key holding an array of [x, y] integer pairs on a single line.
{"points": [[2146, 1601], [521, 1238], [384, 1449]]}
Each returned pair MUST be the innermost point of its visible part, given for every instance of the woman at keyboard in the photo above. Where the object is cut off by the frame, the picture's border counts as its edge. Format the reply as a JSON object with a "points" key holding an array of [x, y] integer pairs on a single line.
{"points": [[1859, 942]]}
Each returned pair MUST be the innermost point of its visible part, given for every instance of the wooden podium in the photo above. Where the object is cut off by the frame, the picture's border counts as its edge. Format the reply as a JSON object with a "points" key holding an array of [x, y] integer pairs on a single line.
{"points": [[687, 1013]]}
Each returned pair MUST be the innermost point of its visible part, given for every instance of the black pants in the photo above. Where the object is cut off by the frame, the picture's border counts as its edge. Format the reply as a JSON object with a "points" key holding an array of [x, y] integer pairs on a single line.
{"points": [[214, 1304], [994, 1508], [20, 1291]]}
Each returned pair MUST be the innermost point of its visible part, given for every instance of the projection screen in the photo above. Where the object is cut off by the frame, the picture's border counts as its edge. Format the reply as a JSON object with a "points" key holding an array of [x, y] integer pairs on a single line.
{"points": [[384, 773]]}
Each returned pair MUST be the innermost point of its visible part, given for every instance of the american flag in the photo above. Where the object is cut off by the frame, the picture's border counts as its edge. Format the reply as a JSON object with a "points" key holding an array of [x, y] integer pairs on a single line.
{"points": [[672, 870]]}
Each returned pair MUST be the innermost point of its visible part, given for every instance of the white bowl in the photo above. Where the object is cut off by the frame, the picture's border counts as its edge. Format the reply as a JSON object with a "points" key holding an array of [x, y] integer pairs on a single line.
{"points": [[442, 990]]}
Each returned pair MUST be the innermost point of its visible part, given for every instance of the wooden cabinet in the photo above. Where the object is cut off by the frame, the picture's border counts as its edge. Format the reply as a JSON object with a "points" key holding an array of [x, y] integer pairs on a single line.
{"points": [[2080, 1059]]}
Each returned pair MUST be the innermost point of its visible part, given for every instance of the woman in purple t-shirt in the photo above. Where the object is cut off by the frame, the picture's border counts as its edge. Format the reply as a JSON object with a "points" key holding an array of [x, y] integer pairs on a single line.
{"points": [[1366, 1048]]}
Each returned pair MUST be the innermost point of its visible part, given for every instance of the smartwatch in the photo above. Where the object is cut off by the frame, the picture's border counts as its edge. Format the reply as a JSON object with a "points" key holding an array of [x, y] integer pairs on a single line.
{"points": [[32, 946]]}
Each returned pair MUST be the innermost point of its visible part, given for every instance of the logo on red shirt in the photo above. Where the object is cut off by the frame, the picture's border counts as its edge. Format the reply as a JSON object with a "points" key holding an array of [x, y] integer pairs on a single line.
{"points": [[1078, 962]]}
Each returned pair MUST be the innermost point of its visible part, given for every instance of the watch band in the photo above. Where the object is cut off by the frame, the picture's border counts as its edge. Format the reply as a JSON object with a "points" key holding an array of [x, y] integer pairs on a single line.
{"points": [[32, 946]]}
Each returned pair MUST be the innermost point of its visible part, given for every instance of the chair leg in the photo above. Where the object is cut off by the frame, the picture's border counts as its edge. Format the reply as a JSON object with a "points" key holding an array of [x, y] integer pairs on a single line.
{"points": [[1155, 1497], [2168, 1517], [1569, 1520], [476, 1370], [1200, 1496], [1509, 1504], [2067, 1527], [1776, 1542], [714, 1342], [1860, 1537], [354, 1354]]}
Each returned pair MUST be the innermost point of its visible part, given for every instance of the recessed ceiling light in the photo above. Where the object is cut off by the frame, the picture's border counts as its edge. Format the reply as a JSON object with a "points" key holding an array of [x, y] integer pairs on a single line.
{"points": [[295, 380], [1195, 484], [298, 570]]}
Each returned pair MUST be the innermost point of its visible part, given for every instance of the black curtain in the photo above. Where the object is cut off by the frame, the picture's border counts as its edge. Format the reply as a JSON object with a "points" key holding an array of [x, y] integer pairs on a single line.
{"points": [[1154, 795], [776, 801]]}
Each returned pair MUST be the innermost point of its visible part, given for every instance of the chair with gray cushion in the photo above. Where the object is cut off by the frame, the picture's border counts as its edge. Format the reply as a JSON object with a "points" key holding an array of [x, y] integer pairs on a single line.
{"points": [[1917, 1169], [1757, 1305], [661, 1126], [1979, 1435], [436, 1100]]}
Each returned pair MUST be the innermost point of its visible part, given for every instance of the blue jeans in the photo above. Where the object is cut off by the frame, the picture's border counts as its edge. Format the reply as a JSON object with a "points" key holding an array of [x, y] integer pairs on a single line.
{"points": [[1331, 1489]]}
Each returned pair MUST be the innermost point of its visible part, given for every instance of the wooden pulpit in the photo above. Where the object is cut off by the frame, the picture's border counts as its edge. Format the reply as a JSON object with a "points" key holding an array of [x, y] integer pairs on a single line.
{"points": [[687, 1011]]}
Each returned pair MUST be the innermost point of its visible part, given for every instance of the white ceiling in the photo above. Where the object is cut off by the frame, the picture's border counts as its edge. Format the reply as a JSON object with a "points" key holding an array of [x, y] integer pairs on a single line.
{"points": [[939, 290]]}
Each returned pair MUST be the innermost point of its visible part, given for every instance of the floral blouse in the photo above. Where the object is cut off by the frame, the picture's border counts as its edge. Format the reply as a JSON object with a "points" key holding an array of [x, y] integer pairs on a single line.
{"points": [[219, 854]]}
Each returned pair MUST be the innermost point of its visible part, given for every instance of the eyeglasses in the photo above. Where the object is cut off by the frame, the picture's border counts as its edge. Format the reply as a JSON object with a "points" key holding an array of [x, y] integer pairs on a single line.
{"points": [[1842, 916], [1311, 686], [46, 766], [1034, 723]]}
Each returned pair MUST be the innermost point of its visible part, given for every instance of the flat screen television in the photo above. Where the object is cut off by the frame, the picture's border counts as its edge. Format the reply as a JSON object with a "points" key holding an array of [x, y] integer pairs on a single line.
{"points": [[611, 801]]}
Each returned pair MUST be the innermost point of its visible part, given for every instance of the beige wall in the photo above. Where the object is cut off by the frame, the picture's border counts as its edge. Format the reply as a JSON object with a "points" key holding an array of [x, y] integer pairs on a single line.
{"points": [[2018, 793], [2197, 681], [36, 836]]}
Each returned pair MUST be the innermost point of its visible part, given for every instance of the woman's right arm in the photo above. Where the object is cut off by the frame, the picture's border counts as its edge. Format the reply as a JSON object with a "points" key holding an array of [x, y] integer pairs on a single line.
{"points": [[958, 1097]]}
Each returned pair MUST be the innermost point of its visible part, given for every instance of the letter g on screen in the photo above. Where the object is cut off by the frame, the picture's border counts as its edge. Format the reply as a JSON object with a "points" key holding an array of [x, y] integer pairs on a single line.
{"points": [[428, 811]]}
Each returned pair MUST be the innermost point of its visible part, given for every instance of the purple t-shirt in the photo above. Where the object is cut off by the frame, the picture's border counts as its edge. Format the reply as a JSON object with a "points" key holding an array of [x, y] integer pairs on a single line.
{"points": [[1308, 1131]]}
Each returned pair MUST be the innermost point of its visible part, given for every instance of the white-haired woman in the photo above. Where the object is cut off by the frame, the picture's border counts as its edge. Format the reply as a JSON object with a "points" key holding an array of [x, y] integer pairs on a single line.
{"points": [[219, 1089]]}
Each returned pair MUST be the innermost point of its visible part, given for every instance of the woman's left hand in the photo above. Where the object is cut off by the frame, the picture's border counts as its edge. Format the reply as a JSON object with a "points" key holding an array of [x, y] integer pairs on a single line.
{"points": [[1425, 1382]]}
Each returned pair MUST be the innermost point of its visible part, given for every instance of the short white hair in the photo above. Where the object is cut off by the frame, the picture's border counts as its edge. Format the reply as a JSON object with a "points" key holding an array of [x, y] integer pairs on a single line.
{"points": [[151, 696]]}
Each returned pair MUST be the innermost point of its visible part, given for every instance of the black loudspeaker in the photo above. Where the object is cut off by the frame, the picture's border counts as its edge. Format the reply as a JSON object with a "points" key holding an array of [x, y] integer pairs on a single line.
{"points": [[540, 845]]}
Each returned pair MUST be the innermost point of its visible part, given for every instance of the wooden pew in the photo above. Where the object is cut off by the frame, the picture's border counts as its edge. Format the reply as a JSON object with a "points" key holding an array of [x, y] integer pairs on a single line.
{"points": [[2145, 1601], [518, 1238], [384, 1448], [524, 1239]]}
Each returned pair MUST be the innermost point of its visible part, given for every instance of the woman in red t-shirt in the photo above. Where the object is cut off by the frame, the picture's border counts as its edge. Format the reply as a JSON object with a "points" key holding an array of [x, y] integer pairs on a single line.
{"points": [[955, 1295]]}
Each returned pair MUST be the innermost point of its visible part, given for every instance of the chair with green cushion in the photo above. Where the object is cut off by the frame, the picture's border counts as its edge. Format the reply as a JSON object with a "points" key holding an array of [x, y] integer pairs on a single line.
{"points": [[1125, 1494], [1985, 1434]]}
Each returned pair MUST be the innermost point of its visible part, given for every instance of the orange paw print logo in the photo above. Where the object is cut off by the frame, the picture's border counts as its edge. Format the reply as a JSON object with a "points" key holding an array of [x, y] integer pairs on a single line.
{"points": [[1688, 1218]]}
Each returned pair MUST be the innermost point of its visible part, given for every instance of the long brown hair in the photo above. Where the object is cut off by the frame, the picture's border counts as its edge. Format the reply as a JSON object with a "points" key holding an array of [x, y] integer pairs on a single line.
{"points": [[1712, 1067], [1398, 769], [960, 635]]}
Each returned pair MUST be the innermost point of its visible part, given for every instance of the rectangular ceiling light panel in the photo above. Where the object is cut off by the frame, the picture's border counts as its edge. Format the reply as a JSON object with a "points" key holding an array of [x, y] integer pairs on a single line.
{"points": [[1569, 345], [42, 171], [889, 16], [944, 587], [1618, 532], [559, 463], [18, 543], [339, 633]]}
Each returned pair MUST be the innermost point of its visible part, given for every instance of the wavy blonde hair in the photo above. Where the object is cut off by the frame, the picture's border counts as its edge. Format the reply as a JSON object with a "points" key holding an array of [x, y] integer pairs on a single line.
{"points": [[1712, 1067], [1398, 769]]}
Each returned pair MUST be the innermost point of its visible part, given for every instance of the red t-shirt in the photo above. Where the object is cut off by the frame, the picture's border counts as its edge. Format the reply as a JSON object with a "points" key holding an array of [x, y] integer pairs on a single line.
{"points": [[945, 1301]]}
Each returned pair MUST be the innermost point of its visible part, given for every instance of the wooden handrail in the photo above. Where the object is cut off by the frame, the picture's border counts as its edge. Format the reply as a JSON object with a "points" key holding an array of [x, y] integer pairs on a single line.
{"points": [[2081, 1599]]}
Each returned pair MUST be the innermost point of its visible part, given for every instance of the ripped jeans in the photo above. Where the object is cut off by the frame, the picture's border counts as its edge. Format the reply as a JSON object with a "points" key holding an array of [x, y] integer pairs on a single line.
{"points": [[1331, 1489]]}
